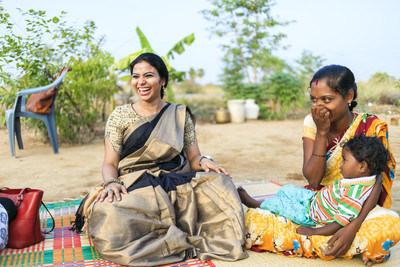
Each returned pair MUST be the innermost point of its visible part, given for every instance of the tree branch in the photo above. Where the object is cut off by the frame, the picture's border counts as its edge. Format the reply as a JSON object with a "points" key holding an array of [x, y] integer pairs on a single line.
{"points": [[241, 51]]}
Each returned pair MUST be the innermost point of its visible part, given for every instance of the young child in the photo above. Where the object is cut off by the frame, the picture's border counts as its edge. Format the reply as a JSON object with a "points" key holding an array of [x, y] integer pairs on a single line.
{"points": [[336, 205]]}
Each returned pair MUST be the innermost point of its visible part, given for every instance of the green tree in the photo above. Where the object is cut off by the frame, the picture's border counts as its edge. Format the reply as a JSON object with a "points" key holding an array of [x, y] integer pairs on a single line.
{"points": [[248, 25], [285, 93], [200, 74], [381, 88], [192, 75], [308, 65], [34, 57], [178, 48]]}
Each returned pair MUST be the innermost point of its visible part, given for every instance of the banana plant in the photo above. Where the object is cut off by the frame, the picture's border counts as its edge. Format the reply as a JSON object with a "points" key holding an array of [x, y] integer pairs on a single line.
{"points": [[178, 48]]}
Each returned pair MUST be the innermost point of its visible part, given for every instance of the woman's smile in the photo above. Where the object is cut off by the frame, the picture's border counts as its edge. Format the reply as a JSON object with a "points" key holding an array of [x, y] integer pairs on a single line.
{"points": [[144, 91]]}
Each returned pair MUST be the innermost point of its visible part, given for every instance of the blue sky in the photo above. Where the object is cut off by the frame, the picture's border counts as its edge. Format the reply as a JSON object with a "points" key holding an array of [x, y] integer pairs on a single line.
{"points": [[364, 35]]}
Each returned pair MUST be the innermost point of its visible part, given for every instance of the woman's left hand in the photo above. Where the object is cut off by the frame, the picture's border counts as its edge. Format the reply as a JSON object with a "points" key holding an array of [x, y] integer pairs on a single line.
{"points": [[208, 165]]}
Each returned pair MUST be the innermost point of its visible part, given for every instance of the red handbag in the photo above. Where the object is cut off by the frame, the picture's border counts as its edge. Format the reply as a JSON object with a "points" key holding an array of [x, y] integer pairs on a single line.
{"points": [[24, 230]]}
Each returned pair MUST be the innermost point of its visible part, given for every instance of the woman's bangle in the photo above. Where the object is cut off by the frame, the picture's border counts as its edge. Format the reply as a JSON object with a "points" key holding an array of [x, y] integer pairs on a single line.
{"points": [[318, 155], [110, 181], [207, 157]]}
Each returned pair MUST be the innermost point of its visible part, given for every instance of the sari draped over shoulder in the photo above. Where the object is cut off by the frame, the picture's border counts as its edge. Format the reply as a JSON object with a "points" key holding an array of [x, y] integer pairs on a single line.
{"points": [[169, 213], [267, 231], [368, 125]]}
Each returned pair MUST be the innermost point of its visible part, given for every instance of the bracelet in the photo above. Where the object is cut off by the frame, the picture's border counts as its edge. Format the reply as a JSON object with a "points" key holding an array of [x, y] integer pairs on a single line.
{"points": [[318, 155], [110, 181], [207, 157]]}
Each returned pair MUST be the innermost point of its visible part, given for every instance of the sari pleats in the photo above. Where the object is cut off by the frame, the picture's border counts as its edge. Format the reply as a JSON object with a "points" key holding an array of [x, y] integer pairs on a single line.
{"points": [[202, 216]]}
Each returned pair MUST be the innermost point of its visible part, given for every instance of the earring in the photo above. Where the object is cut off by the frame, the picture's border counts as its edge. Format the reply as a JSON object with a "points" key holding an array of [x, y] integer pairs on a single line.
{"points": [[349, 104]]}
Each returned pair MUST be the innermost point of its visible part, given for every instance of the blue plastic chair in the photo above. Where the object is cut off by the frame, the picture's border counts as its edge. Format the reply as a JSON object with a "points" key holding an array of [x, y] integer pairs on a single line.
{"points": [[13, 115]]}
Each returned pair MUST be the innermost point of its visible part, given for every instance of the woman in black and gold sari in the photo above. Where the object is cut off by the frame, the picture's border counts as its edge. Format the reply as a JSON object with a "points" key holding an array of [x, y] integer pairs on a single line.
{"points": [[161, 201]]}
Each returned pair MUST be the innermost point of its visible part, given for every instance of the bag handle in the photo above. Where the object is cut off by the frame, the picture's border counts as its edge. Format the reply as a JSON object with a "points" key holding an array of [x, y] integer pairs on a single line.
{"points": [[20, 197], [52, 218]]}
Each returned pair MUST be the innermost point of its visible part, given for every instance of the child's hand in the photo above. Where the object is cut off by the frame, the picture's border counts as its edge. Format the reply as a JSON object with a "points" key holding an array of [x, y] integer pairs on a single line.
{"points": [[304, 230]]}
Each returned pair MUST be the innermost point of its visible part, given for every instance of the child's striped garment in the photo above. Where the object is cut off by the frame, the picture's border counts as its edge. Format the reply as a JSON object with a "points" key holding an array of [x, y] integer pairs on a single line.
{"points": [[342, 201]]}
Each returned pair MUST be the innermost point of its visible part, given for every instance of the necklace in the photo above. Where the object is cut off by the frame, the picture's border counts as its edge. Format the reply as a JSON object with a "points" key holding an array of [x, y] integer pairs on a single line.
{"points": [[157, 110], [149, 121], [337, 138]]}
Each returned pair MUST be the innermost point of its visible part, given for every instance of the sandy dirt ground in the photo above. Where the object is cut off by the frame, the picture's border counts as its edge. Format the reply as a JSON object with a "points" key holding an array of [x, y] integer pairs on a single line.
{"points": [[250, 151]]}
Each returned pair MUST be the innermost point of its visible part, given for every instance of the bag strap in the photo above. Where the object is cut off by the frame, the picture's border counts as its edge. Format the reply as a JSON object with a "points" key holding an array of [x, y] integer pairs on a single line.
{"points": [[46, 232]]}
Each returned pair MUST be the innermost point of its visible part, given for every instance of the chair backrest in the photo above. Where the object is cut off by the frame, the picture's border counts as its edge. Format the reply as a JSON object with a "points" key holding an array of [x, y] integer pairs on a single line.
{"points": [[43, 102]]}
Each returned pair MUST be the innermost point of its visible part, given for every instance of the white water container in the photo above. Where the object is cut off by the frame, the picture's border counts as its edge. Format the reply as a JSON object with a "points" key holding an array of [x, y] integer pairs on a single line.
{"points": [[237, 111], [251, 109]]}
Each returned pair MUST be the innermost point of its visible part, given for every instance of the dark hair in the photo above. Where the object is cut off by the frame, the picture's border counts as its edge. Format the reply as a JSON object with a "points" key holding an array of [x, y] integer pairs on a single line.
{"points": [[157, 63], [369, 149], [340, 79]]}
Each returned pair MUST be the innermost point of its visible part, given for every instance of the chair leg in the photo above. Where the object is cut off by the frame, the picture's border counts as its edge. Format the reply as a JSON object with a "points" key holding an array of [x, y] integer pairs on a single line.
{"points": [[17, 127], [10, 126], [51, 129]]}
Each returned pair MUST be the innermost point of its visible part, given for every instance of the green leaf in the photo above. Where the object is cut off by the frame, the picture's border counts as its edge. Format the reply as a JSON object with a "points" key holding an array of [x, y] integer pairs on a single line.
{"points": [[179, 48], [166, 62], [126, 78], [143, 40], [189, 39], [123, 63]]}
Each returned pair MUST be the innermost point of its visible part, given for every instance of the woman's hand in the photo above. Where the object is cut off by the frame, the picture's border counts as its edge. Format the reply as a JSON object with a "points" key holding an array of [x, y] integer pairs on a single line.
{"points": [[111, 190], [208, 165], [341, 241], [321, 117]]}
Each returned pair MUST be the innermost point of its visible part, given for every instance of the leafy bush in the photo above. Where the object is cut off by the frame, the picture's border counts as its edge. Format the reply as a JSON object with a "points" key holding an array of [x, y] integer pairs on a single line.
{"points": [[381, 88], [203, 108], [285, 93], [81, 104], [35, 58]]}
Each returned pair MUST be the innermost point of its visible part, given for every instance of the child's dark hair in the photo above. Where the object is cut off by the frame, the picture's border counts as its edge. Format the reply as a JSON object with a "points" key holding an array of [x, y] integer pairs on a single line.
{"points": [[369, 149]]}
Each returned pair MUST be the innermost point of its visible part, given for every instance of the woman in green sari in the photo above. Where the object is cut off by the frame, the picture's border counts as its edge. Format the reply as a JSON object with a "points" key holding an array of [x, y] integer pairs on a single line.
{"points": [[161, 200]]}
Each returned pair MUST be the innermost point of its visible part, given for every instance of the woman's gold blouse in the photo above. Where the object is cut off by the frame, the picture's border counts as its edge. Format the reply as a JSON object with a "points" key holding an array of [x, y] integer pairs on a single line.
{"points": [[124, 115]]}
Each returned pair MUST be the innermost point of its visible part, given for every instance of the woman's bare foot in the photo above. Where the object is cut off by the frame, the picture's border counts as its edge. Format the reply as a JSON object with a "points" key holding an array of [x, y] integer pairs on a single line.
{"points": [[247, 199], [367, 261]]}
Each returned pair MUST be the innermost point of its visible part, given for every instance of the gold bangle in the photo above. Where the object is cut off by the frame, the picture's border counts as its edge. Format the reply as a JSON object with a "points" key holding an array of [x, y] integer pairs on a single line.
{"points": [[110, 181], [318, 155]]}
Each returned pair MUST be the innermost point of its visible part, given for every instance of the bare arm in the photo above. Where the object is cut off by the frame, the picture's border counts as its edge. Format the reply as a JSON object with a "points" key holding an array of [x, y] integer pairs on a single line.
{"points": [[110, 162], [328, 229], [110, 171], [314, 160], [314, 166], [194, 156], [345, 236]]}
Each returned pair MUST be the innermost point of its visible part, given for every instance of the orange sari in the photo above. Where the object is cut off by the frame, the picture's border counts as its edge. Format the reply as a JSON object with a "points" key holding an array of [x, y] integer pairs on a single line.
{"points": [[368, 125], [266, 231]]}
